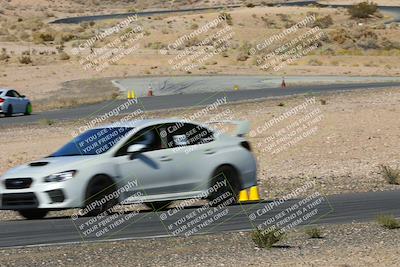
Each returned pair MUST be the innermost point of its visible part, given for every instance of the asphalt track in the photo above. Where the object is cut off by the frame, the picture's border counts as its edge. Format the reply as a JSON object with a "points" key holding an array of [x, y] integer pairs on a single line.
{"points": [[88, 112], [393, 10], [336, 209], [79, 19]]}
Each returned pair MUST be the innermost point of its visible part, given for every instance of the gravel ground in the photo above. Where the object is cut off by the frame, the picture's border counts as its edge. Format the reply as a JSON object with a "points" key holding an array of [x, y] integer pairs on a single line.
{"points": [[342, 245]]}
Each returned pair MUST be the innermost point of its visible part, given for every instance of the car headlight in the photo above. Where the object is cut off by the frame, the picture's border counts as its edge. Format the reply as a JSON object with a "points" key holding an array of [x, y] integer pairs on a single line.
{"points": [[60, 176]]}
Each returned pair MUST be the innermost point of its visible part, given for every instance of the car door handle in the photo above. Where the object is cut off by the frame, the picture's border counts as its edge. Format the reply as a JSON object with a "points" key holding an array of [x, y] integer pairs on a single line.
{"points": [[165, 158], [209, 151]]}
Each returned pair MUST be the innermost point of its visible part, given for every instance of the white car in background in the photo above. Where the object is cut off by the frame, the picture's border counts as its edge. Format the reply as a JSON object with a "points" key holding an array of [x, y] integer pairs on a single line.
{"points": [[165, 160], [11, 102]]}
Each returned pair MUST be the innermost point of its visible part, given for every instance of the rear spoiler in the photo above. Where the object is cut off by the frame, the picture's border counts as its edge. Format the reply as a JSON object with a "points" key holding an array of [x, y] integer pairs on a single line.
{"points": [[242, 127]]}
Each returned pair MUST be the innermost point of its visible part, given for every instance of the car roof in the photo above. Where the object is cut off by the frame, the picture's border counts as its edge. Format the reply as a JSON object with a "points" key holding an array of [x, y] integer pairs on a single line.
{"points": [[145, 122]]}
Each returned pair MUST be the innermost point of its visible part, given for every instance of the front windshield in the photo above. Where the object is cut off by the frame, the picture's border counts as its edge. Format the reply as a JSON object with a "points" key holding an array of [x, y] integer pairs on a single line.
{"points": [[93, 142]]}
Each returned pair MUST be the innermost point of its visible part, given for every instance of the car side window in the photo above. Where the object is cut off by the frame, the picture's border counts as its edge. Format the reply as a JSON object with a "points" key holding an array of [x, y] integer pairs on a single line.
{"points": [[16, 94], [187, 134], [149, 136], [10, 94]]}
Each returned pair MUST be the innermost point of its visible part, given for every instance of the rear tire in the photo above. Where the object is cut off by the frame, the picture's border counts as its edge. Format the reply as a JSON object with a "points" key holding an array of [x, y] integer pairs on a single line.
{"points": [[228, 174], [28, 109], [97, 189], [9, 111], [158, 205], [33, 214]]}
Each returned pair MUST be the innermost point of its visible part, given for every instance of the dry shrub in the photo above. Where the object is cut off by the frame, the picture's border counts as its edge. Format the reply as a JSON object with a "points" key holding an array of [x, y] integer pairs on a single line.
{"points": [[363, 9], [266, 239], [25, 59], [391, 175], [340, 36], [42, 37], [313, 232], [64, 56], [323, 22]]}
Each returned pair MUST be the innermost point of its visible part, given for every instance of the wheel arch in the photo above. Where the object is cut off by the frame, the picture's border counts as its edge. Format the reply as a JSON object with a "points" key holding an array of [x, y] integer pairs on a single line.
{"points": [[95, 179]]}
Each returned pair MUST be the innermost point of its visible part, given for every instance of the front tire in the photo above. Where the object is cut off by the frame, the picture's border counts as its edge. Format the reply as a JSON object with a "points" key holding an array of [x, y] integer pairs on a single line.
{"points": [[28, 109], [9, 111], [96, 191], [33, 214]]}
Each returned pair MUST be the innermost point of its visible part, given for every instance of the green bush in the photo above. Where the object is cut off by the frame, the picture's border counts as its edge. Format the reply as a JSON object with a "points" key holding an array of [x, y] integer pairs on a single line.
{"points": [[266, 239], [363, 9], [388, 221], [313, 232]]}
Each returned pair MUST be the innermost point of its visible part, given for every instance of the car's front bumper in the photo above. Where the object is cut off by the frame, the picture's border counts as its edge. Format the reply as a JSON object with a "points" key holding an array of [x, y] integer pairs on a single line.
{"points": [[44, 196]]}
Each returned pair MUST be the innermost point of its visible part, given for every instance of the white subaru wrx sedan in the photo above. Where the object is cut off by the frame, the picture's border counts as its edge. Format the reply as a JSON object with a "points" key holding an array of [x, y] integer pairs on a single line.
{"points": [[11, 102], [154, 161]]}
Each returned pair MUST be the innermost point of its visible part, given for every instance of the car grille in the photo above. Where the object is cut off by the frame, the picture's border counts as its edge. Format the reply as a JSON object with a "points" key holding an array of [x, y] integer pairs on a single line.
{"points": [[18, 183], [19, 200]]}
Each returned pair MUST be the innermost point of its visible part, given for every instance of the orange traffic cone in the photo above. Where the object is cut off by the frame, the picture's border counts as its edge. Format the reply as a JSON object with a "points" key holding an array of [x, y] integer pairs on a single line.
{"points": [[283, 84], [254, 194], [150, 92]]}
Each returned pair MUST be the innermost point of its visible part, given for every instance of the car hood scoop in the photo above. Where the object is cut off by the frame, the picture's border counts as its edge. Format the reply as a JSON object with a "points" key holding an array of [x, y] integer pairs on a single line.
{"points": [[38, 164]]}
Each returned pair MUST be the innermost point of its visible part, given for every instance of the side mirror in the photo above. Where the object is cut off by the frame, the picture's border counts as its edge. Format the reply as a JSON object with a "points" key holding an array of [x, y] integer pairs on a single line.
{"points": [[22, 96], [135, 149]]}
